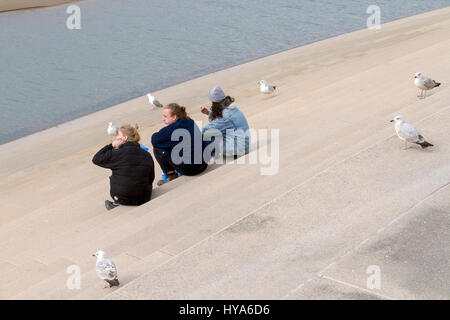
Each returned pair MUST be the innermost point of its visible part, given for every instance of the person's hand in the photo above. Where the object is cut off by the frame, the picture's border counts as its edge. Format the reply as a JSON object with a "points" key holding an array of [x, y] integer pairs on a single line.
{"points": [[204, 110], [117, 143]]}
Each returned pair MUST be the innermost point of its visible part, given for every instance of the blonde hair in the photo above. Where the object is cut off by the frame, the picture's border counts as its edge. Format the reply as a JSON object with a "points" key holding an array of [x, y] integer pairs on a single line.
{"points": [[177, 110], [131, 132]]}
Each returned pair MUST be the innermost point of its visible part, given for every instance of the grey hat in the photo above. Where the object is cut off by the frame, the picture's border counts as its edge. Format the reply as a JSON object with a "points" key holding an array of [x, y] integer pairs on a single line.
{"points": [[216, 94]]}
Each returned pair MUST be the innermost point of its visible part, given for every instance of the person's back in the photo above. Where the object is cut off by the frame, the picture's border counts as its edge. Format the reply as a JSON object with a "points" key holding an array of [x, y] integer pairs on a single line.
{"points": [[226, 117], [132, 169], [237, 138]]}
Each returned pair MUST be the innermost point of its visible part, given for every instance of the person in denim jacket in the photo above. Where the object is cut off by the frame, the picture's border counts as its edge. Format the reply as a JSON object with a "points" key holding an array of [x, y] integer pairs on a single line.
{"points": [[227, 120]]}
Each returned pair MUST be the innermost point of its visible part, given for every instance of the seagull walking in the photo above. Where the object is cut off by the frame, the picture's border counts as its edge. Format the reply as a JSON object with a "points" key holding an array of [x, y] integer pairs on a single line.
{"points": [[112, 130], [153, 101], [266, 88], [408, 133], [106, 269], [424, 84]]}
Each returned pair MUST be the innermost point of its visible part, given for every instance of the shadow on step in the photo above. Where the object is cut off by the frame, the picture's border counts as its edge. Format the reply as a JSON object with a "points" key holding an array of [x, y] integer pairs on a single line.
{"points": [[160, 190]]}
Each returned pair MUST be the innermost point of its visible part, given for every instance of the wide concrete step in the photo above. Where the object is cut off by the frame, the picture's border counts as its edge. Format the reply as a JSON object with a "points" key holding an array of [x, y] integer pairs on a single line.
{"points": [[29, 273]]}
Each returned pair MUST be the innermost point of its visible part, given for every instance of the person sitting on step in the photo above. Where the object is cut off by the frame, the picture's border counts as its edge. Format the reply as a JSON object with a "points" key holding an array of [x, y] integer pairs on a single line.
{"points": [[179, 135], [133, 169], [225, 117]]}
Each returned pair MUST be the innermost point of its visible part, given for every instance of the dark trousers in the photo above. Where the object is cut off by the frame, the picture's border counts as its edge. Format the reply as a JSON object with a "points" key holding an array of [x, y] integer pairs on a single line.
{"points": [[133, 202], [163, 158]]}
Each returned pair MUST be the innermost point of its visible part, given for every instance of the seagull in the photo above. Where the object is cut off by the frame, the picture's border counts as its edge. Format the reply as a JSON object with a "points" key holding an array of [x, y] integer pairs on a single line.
{"points": [[106, 269], [408, 133], [154, 101], [112, 129], [266, 88], [424, 84]]}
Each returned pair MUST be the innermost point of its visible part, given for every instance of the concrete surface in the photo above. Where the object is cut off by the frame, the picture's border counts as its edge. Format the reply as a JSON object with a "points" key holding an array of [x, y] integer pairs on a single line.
{"points": [[346, 195]]}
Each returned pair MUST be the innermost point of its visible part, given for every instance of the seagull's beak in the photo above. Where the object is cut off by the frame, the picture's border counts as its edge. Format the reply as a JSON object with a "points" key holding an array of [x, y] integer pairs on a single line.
{"points": [[93, 255], [392, 120]]}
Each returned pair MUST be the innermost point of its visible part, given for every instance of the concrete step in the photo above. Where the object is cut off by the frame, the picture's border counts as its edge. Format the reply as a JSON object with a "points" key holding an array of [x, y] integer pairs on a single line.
{"points": [[21, 278], [55, 287]]}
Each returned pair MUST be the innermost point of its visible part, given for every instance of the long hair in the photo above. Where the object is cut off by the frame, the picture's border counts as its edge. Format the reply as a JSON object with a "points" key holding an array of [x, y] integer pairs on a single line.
{"points": [[217, 107], [177, 110], [131, 132]]}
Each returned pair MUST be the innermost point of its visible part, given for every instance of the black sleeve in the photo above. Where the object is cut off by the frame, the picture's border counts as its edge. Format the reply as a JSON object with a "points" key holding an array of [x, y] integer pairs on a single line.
{"points": [[103, 158]]}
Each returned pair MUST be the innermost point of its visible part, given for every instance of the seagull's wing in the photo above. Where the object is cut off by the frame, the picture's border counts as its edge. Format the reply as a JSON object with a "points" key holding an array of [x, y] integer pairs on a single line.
{"points": [[156, 103], [106, 269], [428, 83], [408, 132]]}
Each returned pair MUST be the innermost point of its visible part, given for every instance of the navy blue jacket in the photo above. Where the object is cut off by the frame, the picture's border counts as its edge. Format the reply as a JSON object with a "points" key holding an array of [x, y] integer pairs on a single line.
{"points": [[188, 130]]}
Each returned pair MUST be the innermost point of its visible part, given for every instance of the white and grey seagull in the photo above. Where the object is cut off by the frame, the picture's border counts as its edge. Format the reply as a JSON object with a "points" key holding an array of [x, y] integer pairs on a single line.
{"points": [[408, 133], [112, 130], [424, 84], [106, 269], [154, 101], [266, 88]]}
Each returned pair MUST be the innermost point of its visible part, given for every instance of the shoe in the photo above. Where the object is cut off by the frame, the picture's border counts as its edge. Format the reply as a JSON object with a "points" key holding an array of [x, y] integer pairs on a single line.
{"points": [[111, 205], [164, 181], [161, 182]]}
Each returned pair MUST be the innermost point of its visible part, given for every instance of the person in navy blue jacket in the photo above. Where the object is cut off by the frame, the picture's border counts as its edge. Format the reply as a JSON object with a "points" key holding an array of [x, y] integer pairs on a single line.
{"points": [[179, 146]]}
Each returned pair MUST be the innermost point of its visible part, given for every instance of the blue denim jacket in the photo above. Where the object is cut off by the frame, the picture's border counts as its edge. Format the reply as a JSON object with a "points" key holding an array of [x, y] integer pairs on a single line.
{"points": [[234, 129]]}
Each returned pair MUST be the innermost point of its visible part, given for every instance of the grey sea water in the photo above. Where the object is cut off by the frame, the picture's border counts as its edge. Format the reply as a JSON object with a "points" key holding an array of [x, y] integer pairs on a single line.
{"points": [[50, 74]]}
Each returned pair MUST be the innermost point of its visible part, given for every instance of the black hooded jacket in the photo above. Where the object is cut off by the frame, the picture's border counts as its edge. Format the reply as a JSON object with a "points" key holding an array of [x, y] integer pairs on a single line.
{"points": [[133, 171]]}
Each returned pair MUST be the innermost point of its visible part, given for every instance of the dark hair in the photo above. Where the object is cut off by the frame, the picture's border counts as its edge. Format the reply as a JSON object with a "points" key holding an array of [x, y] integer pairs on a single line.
{"points": [[217, 107], [177, 110]]}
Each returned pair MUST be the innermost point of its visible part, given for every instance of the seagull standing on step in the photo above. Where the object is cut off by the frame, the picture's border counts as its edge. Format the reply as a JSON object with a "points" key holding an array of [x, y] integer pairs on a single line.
{"points": [[266, 88], [112, 130], [153, 101], [408, 133], [106, 269], [424, 84]]}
